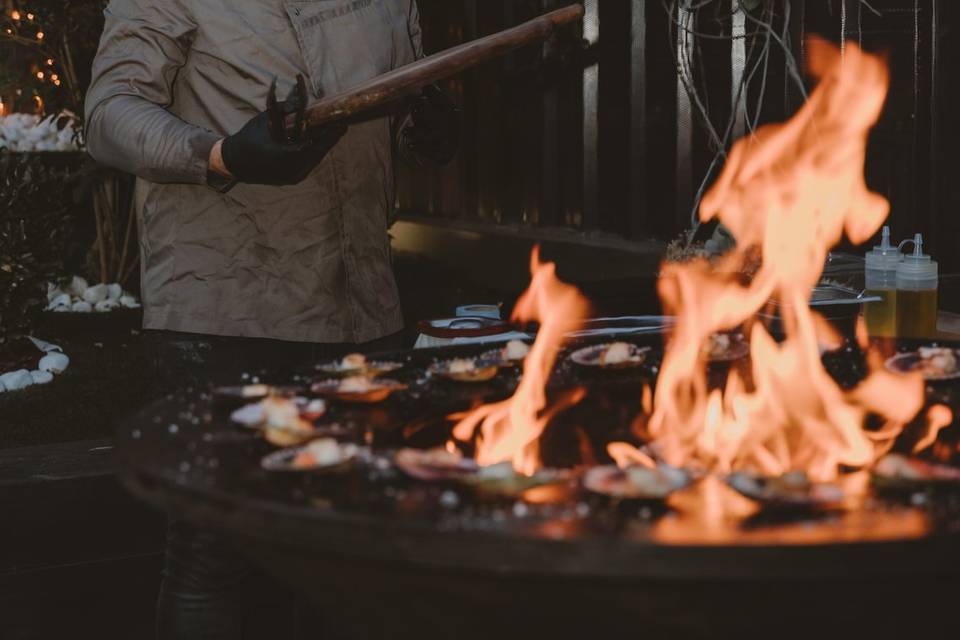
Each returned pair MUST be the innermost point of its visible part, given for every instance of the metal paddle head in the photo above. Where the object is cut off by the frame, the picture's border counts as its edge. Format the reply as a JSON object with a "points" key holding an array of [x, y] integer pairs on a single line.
{"points": [[295, 104]]}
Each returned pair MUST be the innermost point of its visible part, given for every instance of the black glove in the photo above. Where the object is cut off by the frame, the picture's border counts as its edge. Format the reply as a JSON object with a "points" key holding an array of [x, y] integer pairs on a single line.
{"points": [[254, 156], [434, 132]]}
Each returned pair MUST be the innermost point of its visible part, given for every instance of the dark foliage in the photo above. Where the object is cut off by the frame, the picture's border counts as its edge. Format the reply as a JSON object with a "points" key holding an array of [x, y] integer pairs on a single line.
{"points": [[71, 32], [38, 239]]}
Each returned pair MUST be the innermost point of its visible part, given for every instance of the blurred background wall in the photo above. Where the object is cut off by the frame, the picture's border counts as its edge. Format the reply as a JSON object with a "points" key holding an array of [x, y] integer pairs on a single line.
{"points": [[616, 131]]}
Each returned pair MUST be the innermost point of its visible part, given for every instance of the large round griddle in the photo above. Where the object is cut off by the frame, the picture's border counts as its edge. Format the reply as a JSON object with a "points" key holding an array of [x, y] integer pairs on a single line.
{"points": [[373, 541]]}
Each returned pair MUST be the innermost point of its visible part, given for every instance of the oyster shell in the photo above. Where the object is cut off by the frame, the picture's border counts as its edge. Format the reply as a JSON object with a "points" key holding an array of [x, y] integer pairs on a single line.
{"points": [[466, 369], [254, 391], [935, 363], [320, 456], [356, 364], [793, 489], [502, 480], [614, 355], [358, 389], [283, 421], [896, 471], [434, 464], [636, 482], [514, 351], [725, 347]]}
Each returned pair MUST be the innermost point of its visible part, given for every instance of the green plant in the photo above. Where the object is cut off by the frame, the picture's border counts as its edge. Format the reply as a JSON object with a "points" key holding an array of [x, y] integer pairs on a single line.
{"points": [[53, 205], [37, 233]]}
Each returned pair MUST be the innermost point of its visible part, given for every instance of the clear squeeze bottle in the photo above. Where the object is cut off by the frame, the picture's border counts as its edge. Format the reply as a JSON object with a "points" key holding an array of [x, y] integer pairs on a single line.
{"points": [[881, 281], [917, 280]]}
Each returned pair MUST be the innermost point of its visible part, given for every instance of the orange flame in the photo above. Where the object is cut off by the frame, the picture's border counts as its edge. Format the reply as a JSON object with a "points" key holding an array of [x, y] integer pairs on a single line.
{"points": [[510, 430], [790, 191], [938, 417], [788, 194]]}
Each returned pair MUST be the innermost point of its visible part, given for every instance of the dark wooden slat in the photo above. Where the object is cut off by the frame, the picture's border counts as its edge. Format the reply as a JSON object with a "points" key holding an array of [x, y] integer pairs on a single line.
{"points": [[470, 172], [638, 118], [591, 128], [684, 126], [661, 118], [934, 120], [549, 213], [490, 114]]}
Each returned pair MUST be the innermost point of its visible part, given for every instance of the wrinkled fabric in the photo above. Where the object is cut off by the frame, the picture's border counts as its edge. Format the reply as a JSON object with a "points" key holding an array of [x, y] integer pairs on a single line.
{"points": [[309, 262]]}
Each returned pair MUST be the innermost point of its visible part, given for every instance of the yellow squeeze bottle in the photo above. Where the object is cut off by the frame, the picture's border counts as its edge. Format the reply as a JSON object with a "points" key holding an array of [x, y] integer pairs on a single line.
{"points": [[917, 281], [880, 276]]}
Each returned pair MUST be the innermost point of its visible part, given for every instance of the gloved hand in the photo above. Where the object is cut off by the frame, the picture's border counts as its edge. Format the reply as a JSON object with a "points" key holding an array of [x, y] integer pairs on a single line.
{"points": [[253, 156], [434, 130]]}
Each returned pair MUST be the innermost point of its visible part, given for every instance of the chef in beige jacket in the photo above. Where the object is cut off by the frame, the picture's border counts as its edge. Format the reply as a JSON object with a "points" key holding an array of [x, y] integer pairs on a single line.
{"points": [[302, 262], [241, 235]]}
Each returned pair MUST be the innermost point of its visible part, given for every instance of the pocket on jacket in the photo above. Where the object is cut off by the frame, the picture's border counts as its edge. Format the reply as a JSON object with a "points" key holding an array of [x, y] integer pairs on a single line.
{"points": [[346, 42]]}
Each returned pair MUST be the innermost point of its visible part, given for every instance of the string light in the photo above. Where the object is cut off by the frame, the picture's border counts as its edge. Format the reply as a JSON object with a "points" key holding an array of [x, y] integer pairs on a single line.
{"points": [[42, 75]]}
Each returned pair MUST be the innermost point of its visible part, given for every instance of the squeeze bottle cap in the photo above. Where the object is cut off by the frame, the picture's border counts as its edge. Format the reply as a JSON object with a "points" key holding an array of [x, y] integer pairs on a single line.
{"points": [[917, 268], [885, 256]]}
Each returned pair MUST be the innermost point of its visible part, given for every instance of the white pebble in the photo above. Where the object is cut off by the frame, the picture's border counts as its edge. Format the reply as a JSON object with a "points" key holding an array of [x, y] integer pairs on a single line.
{"points": [[129, 302], [54, 362], [16, 380], [61, 300], [105, 306], [41, 377], [53, 291], [81, 306], [114, 291], [95, 294], [77, 286]]}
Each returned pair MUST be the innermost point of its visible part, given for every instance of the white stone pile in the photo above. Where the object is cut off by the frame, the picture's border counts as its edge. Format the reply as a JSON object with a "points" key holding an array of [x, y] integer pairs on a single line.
{"points": [[80, 297], [54, 362], [22, 132]]}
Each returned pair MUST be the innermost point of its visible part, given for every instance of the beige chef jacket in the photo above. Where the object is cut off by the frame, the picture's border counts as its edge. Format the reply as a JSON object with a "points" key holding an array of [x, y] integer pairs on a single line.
{"points": [[309, 262]]}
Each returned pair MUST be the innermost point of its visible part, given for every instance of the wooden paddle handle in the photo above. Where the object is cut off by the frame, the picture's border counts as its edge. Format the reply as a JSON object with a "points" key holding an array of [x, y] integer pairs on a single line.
{"points": [[410, 79]]}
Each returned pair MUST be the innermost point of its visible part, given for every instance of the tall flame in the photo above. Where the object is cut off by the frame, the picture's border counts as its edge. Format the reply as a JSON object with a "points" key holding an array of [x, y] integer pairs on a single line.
{"points": [[510, 430], [790, 191], [788, 194]]}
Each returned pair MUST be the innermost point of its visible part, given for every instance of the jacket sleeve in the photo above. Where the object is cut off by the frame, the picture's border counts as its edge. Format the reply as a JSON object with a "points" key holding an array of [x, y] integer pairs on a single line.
{"points": [[128, 126], [413, 28]]}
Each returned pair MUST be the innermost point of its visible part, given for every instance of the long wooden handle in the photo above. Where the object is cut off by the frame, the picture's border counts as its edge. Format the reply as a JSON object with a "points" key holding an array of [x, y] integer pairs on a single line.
{"points": [[409, 79]]}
